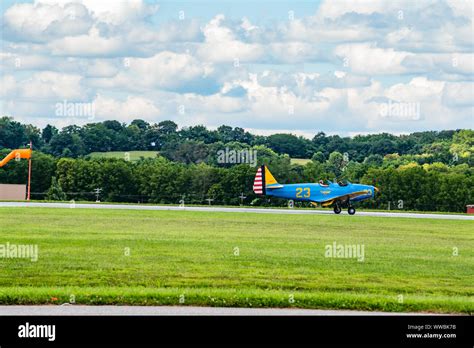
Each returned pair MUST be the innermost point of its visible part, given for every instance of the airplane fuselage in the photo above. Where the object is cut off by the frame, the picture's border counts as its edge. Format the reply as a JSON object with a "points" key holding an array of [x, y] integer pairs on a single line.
{"points": [[314, 192], [325, 193]]}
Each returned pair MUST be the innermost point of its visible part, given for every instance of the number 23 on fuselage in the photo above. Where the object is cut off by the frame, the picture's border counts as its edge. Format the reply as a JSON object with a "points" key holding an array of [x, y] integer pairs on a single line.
{"points": [[337, 195]]}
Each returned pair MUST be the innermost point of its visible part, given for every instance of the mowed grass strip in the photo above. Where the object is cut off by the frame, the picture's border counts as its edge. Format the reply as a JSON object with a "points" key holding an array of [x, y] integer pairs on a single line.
{"points": [[236, 259], [126, 155]]}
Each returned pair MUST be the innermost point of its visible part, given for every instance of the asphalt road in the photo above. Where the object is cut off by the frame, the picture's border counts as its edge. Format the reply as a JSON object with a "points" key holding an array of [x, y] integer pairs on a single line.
{"points": [[231, 210], [72, 310]]}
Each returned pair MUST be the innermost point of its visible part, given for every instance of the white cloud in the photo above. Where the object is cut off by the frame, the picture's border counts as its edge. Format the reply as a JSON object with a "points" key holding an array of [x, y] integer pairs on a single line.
{"points": [[45, 85], [294, 52], [434, 112], [417, 90], [43, 21], [165, 70], [23, 61], [117, 12], [329, 70], [89, 45], [108, 11], [7, 86], [337, 8], [314, 30], [370, 60], [247, 25], [462, 8], [221, 44], [102, 68], [215, 103], [107, 108], [350, 109], [459, 94]]}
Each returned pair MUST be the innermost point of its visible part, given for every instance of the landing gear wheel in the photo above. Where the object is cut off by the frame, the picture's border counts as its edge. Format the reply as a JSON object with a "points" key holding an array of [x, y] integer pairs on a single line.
{"points": [[351, 210], [337, 209]]}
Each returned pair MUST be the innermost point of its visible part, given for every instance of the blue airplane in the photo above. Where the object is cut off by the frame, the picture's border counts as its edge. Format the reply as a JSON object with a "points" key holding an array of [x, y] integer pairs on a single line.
{"points": [[327, 193]]}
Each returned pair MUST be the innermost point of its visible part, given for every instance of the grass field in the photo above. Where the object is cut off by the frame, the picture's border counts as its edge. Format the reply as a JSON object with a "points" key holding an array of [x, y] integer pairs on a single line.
{"points": [[127, 155], [235, 259], [300, 161]]}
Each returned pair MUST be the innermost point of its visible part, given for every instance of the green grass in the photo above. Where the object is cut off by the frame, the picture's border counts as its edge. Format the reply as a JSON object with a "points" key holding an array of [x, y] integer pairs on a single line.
{"points": [[300, 161], [281, 257], [132, 155]]}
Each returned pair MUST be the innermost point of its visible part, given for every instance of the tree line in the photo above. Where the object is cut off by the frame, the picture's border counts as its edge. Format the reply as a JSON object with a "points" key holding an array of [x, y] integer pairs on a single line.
{"points": [[197, 144], [410, 186], [420, 171]]}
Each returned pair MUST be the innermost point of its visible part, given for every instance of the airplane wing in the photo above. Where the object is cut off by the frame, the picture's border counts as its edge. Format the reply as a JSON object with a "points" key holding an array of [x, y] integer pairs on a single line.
{"points": [[343, 197]]}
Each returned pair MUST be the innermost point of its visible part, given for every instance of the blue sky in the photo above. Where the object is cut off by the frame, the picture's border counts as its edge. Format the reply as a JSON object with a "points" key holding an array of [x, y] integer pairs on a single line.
{"points": [[345, 67]]}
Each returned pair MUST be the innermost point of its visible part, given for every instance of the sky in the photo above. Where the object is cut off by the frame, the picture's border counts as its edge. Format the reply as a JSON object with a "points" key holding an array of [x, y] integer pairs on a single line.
{"points": [[342, 67]]}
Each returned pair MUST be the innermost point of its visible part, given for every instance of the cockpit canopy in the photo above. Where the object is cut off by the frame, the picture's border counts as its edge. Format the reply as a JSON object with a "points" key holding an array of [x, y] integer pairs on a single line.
{"points": [[327, 183]]}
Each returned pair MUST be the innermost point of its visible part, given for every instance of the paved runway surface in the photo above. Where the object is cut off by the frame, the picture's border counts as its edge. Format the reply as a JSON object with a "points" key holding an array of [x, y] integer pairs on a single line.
{"points": [[231, 210], [70, 310]]}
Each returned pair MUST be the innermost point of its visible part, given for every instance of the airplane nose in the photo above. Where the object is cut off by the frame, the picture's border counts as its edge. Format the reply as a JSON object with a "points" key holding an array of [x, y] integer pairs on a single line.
{"points": [[375, 190]]}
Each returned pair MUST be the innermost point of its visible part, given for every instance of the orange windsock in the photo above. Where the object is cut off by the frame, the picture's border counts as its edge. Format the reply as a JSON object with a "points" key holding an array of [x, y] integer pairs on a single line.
{"points": [[16, 154]]}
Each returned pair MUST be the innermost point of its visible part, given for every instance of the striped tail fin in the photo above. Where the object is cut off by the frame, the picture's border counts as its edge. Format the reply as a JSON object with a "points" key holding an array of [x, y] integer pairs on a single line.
{"points": [[258, 186], [264, 180]]}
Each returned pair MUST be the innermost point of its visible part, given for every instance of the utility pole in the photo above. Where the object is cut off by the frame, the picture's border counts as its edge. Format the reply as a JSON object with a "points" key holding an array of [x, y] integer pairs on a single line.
{"points": [[209, 200], [242, 197], [97, 193], [29, 172]]}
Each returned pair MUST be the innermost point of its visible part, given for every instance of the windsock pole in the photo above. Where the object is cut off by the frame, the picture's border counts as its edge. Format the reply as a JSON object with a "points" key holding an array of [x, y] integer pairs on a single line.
{"points": [[29, 173]]}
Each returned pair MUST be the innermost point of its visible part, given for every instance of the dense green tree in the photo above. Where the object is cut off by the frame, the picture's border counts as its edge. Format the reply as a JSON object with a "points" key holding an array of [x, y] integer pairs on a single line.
{"points": [[97, 138], [189, 151], [290, 144], [67, 144], [318, 157], [167, 127], [315, 171], [48, 132], [113, 125], [226, 134], [142, 125], [336, 144], [320, 141], [12, 134], [199, 133], [55, 192], [335, 164], [374, 160]]}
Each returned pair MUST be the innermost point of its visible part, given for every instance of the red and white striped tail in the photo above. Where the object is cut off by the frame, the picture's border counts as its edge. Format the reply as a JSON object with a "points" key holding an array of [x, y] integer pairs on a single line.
{"points": [[258, 182]]}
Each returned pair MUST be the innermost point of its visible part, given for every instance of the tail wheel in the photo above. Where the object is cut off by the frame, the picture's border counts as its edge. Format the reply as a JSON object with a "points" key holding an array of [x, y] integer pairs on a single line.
{"points": [[351, 210], [337, 209]]}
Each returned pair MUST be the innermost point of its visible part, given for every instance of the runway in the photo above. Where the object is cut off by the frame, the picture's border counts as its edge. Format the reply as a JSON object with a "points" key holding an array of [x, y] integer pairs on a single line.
{"points": [[233, 210], [76, 310]]}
